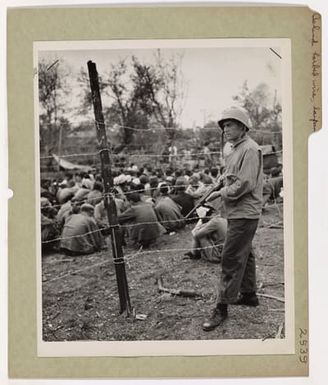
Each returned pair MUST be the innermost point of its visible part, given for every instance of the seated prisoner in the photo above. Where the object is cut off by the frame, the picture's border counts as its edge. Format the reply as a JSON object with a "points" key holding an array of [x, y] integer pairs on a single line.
{"points": [[66, 209], [82, 193], [95, 196], [196, 188], [49, 225], [272, 188], [167, 211], [208, 236], [184, 200], [144, 228], [101, 216], [66, 192], [81, 235]]}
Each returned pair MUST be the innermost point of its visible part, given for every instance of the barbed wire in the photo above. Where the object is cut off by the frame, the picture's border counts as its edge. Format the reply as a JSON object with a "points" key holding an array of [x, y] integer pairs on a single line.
{"points": [[153, 129], [120, 225], [148, 155], [78, 202], [114, 194], [139, 252], [108, 126], [76, 272], [145, 155], [140, 129], [74, 236], [126, 193], [130, 155], [161, 222], [71, 155], [87, 200], [129, 258], [264, 132], [177, 155], [123, 225]]}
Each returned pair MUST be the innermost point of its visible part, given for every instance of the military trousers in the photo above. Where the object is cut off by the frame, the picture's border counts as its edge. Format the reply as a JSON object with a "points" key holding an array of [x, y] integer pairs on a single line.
{"points": [[238, 274]]}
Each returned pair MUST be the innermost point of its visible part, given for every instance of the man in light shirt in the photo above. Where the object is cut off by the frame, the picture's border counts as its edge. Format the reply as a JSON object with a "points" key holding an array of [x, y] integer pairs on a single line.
{"points": [[242, 200]]}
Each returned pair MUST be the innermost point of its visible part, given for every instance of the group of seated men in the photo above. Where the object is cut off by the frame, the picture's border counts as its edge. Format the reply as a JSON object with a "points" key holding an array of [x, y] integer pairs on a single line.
{"points": [[148, 204]]}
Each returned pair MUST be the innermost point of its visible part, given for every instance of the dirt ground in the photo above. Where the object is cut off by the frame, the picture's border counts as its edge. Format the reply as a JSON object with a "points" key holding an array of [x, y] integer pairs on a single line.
{"points": [[80, 299]]}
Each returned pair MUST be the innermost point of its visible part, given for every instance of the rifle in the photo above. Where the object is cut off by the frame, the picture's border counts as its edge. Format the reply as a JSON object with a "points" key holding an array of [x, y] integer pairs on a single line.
{"points": [[201, 200]]}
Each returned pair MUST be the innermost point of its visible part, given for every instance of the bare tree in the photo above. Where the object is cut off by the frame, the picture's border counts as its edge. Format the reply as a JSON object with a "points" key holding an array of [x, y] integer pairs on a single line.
{"points": [[52, 89], [125, 99], [170, 94]]}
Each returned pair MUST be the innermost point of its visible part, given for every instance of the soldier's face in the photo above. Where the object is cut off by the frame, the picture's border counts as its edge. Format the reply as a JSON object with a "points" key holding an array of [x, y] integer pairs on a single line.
{"points": [[233, 131]]}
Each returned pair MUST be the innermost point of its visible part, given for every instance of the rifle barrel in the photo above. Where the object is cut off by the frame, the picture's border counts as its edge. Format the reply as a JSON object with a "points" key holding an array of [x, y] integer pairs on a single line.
{"points": [[203, 198]]}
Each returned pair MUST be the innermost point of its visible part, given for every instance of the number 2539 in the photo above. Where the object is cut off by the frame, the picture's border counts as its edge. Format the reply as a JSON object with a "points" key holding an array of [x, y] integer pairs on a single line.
{"points": [[303, 346]]}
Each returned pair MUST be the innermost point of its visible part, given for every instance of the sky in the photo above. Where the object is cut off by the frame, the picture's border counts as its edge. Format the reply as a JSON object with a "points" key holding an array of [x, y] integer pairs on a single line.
{"points": [[212, 75]]}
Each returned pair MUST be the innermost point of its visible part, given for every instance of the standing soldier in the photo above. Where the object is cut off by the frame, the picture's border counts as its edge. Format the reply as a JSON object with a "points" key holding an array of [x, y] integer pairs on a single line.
{"points": [[242, 198]]}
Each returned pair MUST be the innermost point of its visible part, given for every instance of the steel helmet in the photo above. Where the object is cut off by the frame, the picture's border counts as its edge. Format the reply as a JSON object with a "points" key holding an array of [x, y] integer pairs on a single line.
{"points": [[236, 113]]}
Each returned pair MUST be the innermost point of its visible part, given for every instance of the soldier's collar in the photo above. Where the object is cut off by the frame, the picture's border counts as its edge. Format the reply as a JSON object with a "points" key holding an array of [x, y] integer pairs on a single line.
{"points": [[243, 139]]}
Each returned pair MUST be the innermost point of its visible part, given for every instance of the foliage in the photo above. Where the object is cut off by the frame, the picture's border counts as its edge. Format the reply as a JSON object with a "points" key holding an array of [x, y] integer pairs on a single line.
{"points": [[263, 108], [52, 91], [145, 94], [85, 93], [209, 133]]}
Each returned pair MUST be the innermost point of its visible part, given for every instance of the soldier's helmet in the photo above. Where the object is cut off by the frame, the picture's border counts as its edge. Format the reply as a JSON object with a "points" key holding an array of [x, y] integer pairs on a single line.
{"points": [[236, 113]]}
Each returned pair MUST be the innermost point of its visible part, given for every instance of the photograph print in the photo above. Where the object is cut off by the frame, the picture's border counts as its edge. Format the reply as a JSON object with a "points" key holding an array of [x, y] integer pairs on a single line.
{"points": [[164, 192]]}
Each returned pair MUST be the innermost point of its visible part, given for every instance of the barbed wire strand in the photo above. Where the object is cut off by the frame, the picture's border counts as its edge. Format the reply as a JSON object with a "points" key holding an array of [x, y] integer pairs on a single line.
{"points": [[169, 128], [128, 258], [145, 155], [75, 272], [161, 222], [127, 155], [113, 226], [72, 237], [159, 128], [131, 256], [71, 155], [125, 193], [136, 224], [113, 193]]}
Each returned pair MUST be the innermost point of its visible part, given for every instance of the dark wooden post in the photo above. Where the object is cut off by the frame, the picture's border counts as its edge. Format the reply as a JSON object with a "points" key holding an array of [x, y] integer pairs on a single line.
{"points": [[104, 150]]}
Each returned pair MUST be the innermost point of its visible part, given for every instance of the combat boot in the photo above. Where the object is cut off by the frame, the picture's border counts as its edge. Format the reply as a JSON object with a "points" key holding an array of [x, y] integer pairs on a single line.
{"points": [[220, 313], [248, 299]]}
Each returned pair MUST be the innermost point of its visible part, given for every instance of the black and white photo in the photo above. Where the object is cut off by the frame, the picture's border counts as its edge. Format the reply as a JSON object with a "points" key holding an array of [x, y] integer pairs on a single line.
{"points": [[164, 194]]}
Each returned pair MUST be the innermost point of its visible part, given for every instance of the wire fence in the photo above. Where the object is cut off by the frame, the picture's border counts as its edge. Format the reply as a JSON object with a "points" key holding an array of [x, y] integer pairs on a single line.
{"points": [[134, 155], [123, 226], [128, 258], [158, 128], [275, 204], [114, 194], [140, 252], [146, 154]]}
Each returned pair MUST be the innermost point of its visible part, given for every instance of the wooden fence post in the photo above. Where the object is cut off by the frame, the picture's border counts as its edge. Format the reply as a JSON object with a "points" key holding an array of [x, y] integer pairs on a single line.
{"points": [[110, 206]]}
